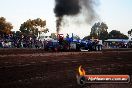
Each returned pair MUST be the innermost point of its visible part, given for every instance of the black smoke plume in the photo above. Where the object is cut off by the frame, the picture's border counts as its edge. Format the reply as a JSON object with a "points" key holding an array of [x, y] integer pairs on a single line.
{"points": [[71, 8]]}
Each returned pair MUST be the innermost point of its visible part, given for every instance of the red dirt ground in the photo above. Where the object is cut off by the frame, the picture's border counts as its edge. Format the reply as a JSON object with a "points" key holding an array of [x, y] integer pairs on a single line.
{"points": [[35, 68]]}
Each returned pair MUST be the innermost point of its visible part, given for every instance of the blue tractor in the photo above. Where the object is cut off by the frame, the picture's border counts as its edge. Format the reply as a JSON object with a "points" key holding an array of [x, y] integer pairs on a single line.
{"points": [[69, 44], [91, 45]]}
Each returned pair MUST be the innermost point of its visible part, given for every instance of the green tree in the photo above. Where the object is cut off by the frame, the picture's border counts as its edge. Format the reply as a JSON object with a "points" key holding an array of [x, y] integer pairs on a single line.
{"points": [[32, 27], [53, 36], [99, 31], [103, 35], [5, 27], [95, 29], [114, 34]]}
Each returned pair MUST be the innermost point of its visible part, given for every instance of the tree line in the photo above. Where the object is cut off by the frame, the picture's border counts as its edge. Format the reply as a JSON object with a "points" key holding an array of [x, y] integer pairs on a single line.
{"points": [[35, 26], [28, 28], [100, 31]]}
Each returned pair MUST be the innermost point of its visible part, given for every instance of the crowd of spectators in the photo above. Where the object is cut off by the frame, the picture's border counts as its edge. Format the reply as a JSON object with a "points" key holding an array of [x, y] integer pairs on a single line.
{"points": [[10, 41]]}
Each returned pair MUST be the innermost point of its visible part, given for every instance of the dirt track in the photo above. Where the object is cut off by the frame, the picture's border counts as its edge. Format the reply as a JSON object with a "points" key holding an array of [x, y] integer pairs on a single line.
{"points": [[32, 69]]}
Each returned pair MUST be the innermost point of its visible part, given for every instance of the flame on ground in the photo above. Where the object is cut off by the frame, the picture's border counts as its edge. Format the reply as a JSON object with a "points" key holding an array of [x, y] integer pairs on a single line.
{"points": [[81, 71]]}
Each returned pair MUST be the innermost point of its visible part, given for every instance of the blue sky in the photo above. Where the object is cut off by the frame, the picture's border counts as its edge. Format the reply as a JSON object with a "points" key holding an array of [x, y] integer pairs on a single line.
{"points": [[117, 14]]}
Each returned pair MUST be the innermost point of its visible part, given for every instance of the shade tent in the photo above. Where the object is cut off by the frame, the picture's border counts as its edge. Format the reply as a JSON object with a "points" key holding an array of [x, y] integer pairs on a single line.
{"points": [[117, 40]]}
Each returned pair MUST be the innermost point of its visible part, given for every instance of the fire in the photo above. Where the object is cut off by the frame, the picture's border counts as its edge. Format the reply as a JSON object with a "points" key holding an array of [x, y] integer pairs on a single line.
{"points": [[81, 71]]}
